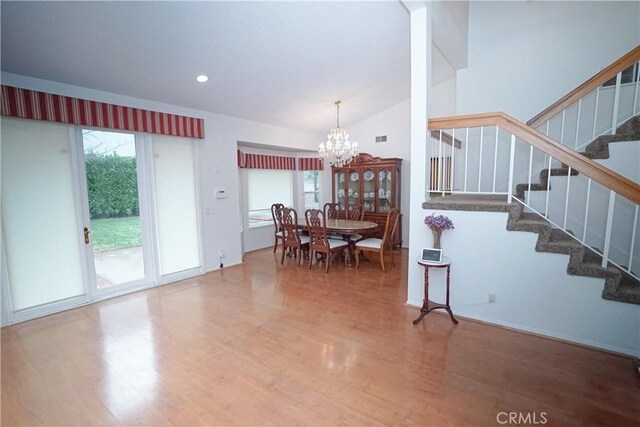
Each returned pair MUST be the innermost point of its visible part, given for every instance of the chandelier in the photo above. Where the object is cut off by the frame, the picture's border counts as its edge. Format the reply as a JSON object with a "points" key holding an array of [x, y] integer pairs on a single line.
{"points": [[338, 150]]}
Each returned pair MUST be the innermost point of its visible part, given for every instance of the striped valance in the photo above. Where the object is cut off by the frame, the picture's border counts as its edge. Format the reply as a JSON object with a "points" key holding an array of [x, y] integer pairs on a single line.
{"points": [[31, 104], [263, 161], [310, 164]]}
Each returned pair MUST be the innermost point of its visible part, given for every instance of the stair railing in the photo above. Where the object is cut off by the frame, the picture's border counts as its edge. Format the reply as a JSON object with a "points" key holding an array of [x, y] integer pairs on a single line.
{"points": [[494, 153], [595, 108]]}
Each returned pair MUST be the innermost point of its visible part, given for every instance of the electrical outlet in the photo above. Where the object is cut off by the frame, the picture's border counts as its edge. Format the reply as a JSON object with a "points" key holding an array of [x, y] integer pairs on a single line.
{"points": [[492, 297]]}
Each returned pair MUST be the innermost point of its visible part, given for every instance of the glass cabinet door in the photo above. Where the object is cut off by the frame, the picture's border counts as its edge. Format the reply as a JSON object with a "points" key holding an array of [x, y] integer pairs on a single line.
{"points": [[369, 190], [384, 190], [339, 189], [353, 188]]}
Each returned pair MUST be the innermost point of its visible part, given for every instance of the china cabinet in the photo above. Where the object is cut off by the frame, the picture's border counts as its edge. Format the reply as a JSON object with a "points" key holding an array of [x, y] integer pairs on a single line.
{"points": [[373, 183]]}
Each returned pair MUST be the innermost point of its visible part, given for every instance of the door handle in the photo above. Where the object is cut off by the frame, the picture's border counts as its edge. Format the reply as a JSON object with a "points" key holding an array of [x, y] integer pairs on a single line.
{"points": [[86, 235]]}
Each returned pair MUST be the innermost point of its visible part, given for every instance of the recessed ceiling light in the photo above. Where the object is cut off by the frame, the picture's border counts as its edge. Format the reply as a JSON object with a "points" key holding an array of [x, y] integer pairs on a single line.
{"points": [[202, 78]]}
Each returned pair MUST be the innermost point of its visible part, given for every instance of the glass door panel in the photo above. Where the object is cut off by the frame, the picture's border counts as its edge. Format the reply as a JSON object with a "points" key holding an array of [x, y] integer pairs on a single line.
{"points": [[369, 190], [384, 190], [353, 188], [115, 231], [339, 189], [41, 225]]}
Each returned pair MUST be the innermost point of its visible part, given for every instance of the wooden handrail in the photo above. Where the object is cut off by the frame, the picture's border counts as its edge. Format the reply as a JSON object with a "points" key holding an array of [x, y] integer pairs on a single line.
{"points": [[587, 87], [588, 167]]}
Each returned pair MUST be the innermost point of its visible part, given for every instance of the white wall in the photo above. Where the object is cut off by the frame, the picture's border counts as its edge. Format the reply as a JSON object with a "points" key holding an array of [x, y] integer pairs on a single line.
{"points": [[451, 30], [523, 56], [217, 160], [393, 122], [443, 95], [544, 300]]}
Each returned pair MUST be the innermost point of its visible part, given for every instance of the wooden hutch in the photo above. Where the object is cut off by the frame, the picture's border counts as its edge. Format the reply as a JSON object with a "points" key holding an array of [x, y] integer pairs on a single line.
{"points": [[373, 183]]}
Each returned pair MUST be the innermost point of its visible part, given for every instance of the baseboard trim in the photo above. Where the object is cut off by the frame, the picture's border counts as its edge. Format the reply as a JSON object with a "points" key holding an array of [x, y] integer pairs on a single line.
{"points": [[617, 351]]}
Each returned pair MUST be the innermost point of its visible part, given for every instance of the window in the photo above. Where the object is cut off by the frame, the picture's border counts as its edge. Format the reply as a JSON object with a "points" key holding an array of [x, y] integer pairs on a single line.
{"points": [[311, 186], [266, 187]]}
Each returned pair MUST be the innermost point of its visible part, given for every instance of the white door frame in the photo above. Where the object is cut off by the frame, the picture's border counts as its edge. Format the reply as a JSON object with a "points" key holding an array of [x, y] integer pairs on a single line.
{"points": [[148, 280]]}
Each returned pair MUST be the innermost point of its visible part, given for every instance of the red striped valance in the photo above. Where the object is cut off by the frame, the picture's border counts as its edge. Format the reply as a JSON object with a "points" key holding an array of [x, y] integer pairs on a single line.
{"points": [[31, 104], [262, 161], [310, 164]]}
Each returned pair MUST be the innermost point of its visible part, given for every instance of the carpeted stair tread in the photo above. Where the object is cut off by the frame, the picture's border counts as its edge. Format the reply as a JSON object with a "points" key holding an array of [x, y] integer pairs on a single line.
{"points": [[599, 147], [627, 290], [631, 126], [469, 202], [530, 222]]}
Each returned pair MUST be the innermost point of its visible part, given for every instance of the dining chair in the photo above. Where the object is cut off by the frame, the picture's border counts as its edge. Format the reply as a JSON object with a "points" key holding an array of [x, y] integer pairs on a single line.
{"points": [[332, 210], [292, 239], [276, 215], [319, 243], [383, 245], [355, 212]]}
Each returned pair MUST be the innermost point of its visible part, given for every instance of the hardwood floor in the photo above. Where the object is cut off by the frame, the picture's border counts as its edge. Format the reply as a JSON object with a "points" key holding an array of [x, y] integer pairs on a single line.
{"points": [[265, 344]]}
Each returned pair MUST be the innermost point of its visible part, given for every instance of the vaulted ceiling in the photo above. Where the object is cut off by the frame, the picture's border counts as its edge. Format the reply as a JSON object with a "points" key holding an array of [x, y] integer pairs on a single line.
{"points": [[282, 63]]}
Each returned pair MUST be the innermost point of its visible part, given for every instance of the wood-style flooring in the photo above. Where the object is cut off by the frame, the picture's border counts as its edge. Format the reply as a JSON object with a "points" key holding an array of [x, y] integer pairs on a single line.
{"points": [[265, 344]]}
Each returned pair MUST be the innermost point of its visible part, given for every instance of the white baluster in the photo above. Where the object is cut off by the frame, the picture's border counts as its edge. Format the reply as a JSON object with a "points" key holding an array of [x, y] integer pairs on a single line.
{"points": [[512, 155], [562, 128], [586, 212], [578, 124], [440, 164], [595, 112], [480, 161], [546, 206], [633, 237], [635, 96], [530, 172], [607, 233], [466, 156], [453, 158], [566, 201], [616, 102], [495, 159]]}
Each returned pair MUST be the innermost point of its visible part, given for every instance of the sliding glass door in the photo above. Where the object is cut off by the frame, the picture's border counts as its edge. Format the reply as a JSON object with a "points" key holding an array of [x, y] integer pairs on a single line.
{"points": [[41, 221], [90, 213], [115, 220]]}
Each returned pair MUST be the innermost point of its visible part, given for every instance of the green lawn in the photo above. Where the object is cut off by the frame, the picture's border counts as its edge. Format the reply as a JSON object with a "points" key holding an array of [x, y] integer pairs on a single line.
{"points": [[115, 233]]}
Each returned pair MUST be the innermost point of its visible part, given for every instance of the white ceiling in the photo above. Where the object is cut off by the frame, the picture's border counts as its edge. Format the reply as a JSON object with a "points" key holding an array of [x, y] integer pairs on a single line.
{"points": [[282, 63]]}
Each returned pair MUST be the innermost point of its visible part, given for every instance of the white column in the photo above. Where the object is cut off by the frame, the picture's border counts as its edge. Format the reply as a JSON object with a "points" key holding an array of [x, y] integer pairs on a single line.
{"points": [[420, 87]]}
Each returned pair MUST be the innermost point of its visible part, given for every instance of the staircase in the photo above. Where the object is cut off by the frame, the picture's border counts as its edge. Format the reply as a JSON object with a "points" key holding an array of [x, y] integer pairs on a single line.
{"points": [[607, 204]]}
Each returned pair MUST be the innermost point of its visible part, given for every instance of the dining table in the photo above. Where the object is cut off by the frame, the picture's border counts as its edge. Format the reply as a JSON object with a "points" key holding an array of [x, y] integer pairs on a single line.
{"points": [[347, 229]]}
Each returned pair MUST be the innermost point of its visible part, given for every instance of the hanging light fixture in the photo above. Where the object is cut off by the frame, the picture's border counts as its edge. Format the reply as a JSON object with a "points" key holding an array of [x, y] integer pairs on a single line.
{"points": [[338, 150]]}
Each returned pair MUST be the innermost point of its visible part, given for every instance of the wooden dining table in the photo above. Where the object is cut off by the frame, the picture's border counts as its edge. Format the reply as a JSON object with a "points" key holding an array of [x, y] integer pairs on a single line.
{"points": [[346, 228]]}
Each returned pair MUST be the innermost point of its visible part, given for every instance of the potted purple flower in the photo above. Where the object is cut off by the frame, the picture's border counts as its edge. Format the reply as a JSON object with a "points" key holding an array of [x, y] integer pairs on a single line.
{"points": [[437, 223]]}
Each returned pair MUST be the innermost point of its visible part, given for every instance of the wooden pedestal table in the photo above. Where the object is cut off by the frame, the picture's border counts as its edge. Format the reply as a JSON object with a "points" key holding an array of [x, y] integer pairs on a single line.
{"points": [[428, 305]]}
